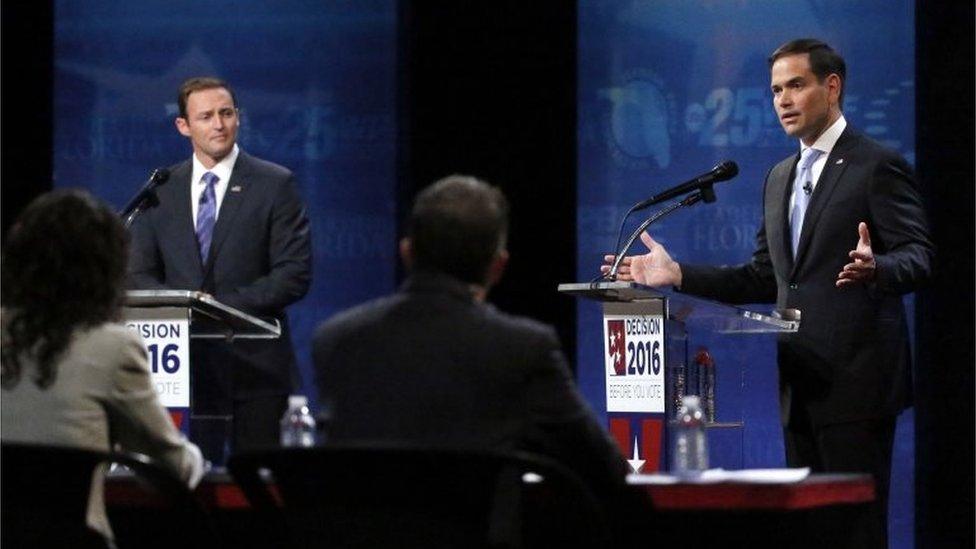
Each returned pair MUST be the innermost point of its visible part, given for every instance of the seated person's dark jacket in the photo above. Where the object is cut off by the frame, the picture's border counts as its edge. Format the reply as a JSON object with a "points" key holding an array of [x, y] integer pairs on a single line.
{"points": [[432, 364]]}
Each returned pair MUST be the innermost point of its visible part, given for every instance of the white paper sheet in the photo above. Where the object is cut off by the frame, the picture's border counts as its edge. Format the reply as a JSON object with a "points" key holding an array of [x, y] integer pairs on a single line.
{"points": [[713, 476]]}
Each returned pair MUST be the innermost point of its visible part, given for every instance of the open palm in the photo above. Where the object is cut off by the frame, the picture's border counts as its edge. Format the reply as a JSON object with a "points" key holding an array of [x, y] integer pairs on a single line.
{"points": [[655, 268]]}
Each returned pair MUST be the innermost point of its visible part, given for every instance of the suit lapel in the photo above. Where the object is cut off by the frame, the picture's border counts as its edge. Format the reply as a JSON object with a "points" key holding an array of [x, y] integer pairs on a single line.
{"points": [[233, 197], [829, 177], [185, 232], [780, 186]]}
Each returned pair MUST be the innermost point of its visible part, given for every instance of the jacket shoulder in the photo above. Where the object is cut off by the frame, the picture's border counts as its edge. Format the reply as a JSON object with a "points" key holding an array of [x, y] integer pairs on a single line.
{"points": [[784, 166], [355, 318], [780, 171], [179, 168], [859, 145], [114, 339], [179, 175], [481, 319], [529, 328], [261, 167]]}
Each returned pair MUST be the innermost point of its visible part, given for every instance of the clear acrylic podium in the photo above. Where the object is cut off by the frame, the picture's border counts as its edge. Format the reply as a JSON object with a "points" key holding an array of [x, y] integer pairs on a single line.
{"points": [[167, 320], [647, 367], [209, 318]]}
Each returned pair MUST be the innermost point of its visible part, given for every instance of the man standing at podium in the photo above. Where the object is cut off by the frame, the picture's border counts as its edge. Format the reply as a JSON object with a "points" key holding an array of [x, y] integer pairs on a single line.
{"points": [[843, 237], [232, 226]]}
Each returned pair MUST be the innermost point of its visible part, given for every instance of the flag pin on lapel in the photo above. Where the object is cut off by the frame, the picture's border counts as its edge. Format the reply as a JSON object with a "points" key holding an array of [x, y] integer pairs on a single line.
{"points": [[235, 189], [840, 161]]}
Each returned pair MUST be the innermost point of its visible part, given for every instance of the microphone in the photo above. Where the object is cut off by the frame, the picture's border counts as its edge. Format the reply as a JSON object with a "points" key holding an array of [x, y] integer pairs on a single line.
{"points": [[723, 172], [145, 194], [808, 188]]}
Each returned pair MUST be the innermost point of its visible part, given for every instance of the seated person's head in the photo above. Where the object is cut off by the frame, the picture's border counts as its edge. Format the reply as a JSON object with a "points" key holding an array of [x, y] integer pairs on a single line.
{"points": [[64, 266], [459, 226]]}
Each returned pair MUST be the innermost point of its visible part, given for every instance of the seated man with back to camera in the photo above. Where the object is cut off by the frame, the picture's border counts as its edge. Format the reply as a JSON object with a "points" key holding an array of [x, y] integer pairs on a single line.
{"points": [[435, 364]]}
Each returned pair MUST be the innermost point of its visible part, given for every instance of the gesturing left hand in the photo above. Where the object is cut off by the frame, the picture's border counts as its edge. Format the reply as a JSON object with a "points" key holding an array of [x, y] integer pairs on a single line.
{"points": [[863, 268]]}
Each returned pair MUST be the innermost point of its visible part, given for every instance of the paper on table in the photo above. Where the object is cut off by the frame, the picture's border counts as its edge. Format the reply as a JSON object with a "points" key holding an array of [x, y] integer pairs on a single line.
{"points": [[770, 476], [711, 476]]}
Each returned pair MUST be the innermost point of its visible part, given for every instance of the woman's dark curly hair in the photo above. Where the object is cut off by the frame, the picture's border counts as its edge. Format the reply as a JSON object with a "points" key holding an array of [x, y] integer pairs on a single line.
{"points": [[63, 268]]}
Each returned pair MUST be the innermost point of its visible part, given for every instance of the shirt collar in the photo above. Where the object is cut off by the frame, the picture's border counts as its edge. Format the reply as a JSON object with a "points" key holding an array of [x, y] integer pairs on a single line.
{"points": [[829, 137], [221, 169]]}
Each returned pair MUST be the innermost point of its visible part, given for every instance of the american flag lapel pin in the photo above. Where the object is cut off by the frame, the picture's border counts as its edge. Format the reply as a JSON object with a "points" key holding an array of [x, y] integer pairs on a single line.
{"points": [[235, 189], [840, 161]]}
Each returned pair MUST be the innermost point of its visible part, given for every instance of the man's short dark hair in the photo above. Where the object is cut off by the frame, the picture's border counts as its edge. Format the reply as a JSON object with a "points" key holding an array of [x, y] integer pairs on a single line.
{"points": [[824, 61], [200, 83], [458, 225]]}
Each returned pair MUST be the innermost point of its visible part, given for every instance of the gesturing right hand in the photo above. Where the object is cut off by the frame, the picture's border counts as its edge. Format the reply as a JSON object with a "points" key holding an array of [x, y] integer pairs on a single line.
{"points": [[655, 268]]}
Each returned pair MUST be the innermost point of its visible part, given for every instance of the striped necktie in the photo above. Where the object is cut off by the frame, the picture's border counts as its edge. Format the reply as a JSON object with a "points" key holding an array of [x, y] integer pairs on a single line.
{"points": [[802, 189], [206, 215]]}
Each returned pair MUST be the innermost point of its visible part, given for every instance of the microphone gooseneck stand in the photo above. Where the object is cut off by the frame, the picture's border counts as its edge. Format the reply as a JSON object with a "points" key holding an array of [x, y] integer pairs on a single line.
{"points": [[127, 222], [145, 198], [705, 194]]}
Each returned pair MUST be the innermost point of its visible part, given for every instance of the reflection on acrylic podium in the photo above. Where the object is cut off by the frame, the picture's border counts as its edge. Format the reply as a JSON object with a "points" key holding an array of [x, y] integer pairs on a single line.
{"points": [[166, 320], [653, 358]]}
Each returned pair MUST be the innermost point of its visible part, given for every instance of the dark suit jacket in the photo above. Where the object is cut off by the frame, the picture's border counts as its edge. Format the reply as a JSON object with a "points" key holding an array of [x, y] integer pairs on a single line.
{"points": [[850, 359], [431, 365], [259, 262]]}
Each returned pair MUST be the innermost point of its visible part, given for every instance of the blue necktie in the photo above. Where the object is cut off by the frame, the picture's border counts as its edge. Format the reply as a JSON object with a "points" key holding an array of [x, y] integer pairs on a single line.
{"points": [[206, 215], [802, 189]]}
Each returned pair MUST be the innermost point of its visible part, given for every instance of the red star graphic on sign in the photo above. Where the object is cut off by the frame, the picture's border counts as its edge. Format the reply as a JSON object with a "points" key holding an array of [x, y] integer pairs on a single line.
{"points": [[616, 345]]}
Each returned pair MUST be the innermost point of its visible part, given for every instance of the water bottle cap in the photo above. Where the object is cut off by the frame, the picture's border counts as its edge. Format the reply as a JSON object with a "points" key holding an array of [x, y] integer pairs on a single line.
{"points": [[295, 401]]}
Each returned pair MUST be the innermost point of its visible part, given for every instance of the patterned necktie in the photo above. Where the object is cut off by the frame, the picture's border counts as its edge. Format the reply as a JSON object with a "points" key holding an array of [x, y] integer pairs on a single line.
{"points": [[206, 215], [802, 189]]}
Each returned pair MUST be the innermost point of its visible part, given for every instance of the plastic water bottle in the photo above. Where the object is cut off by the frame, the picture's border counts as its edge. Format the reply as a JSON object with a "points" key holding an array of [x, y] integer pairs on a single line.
{"points": [[689, 453], [679, 388], [298, 424], [706, 383]]}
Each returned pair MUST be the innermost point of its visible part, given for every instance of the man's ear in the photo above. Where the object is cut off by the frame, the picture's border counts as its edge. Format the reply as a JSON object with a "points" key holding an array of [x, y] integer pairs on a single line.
{"points": [[496, 269], [406, 252], [183, 126], [835, 87]]}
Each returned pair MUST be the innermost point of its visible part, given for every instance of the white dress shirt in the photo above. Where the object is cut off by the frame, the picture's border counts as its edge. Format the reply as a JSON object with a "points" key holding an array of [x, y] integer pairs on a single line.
{"points": [[222, 169], [824, 143]]}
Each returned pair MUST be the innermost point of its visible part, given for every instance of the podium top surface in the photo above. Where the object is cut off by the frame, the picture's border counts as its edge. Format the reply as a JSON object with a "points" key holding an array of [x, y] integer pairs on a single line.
{"points": [[209, 318], [693, 311]]}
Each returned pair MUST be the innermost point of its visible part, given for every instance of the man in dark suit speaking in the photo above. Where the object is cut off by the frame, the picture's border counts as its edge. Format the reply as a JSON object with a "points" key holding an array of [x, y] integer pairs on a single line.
{"points": [[843, 236], [435, 364], [233, 226]]}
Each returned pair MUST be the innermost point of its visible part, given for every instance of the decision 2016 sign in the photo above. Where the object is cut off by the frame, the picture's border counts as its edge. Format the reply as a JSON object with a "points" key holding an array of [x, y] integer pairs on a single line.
{"points": [[166, 332], [634, 357]]}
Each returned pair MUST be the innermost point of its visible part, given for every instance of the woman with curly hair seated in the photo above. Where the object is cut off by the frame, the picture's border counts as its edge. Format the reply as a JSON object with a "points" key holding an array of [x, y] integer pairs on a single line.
{"points": [[72, 375]]}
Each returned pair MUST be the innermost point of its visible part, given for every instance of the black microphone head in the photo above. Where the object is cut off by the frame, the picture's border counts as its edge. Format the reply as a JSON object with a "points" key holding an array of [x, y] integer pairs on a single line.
{"points": [[725, 170], [159, 176]]}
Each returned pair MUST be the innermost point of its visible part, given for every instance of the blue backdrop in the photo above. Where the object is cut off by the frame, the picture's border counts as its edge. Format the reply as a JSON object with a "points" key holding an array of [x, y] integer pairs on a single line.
{"points": [[315, 82], [666, 91]]}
